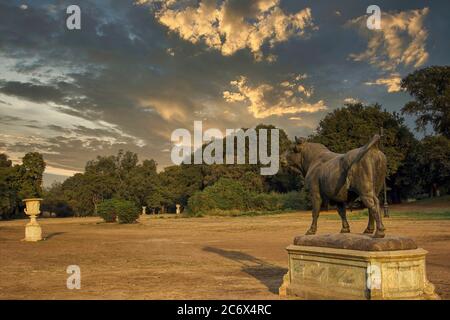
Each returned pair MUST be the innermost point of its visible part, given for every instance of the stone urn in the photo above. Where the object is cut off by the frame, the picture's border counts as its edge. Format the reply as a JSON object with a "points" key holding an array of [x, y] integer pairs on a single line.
{"points": [[33, 230]]}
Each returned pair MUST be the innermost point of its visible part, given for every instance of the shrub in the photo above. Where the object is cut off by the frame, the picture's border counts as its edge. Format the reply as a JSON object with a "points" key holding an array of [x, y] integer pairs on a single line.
{"points": [[127, 212], [266, 201], [229, 197], [252, 181], [200, 203], [124, 211], [107, 210], [225, 194], [228, 194], [296, 200]]}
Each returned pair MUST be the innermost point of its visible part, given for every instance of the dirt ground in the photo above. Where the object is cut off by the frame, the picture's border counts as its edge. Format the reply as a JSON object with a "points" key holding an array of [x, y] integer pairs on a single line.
{"points": [[179, 258]]}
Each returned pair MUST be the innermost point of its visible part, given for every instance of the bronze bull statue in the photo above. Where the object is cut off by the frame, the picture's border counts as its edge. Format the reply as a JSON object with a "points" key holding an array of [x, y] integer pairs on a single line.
{"points": [[341, 178]]}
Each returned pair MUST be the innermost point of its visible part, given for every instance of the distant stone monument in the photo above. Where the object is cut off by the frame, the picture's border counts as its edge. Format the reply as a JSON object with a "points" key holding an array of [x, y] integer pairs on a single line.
{"points": [[178, 208], [350, 266], [33, 231], [144, 210]]}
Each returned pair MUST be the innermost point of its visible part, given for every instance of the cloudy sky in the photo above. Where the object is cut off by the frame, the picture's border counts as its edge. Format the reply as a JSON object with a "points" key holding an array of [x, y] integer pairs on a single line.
{"points": [[137, 70]]}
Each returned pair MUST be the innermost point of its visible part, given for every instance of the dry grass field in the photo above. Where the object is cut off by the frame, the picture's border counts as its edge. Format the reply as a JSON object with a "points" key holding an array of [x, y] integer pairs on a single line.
{"points": [[186, 258]]}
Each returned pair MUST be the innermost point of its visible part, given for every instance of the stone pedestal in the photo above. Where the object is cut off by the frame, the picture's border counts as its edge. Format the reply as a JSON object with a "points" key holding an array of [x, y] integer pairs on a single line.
{"points": [[33, 231], [351, 266]]}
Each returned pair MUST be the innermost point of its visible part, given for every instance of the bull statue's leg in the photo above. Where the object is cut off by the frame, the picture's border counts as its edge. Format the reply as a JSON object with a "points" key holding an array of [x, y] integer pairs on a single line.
{"points": [[372, 204], [316, 203], [342, 213], [380, 226], [371, 225]]}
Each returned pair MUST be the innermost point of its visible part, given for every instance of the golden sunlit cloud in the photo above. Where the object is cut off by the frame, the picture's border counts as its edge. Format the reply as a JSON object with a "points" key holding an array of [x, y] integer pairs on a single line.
{"points": [[351, 100], [60, 171], [392, 83], [401, 40], [167, 109], [265, 100], [223, 27]]}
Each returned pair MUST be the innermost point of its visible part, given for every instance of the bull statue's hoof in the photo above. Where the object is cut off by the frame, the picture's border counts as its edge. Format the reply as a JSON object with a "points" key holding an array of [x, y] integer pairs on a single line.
{"points": [[310, 232], [368, 231], [379, 234], [345, 230]]}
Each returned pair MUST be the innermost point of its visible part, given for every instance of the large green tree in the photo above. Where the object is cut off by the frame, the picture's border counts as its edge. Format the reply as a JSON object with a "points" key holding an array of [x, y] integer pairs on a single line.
{"points": [[430, 88], [19, 182], [31, 172], [432, 164], [55, 201], [140, 182], [8, 194], [178, 183], [116, 176], [85, 191], [282, 181]]}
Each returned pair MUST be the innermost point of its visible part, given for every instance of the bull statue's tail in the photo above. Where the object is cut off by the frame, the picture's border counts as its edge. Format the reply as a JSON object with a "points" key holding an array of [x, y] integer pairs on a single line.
{"points": [[355, 155]]}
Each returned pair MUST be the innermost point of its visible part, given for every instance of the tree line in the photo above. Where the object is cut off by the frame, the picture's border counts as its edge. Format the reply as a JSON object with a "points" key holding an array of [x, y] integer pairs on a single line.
{"points": [[18, 182], [416, 167]]}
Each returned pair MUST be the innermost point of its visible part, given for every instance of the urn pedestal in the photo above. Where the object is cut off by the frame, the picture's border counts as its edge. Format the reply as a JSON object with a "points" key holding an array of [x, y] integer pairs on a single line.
{"points": [[352, 266], [33, 231]]}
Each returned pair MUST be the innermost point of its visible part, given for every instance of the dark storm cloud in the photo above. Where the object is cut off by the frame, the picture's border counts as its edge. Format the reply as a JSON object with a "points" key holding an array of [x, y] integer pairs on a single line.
{"points": [[29, 91], [12, 120], [58, 128], [127, 70], [7, 119]]}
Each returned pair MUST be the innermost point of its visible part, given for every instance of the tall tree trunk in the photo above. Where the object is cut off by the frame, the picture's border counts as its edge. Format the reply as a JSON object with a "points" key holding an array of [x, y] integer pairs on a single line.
{"points": [[94, 202]]}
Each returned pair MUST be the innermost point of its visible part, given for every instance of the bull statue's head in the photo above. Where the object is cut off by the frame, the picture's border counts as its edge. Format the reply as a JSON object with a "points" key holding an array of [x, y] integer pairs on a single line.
{"points": [[293, 157]]}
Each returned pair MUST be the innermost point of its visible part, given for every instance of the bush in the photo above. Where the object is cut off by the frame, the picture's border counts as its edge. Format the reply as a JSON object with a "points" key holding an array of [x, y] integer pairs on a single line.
{"points": [[280, 201], [296, 200], [200, 203], [228, 195], [252, 181], [107, 210], [266, 201], [225, 194], [127, 212], [124, 211]]}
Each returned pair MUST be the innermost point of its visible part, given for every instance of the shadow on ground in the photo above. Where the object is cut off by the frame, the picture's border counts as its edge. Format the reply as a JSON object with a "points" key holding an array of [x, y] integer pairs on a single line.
{"points": [[267, 273], [53, 234]]}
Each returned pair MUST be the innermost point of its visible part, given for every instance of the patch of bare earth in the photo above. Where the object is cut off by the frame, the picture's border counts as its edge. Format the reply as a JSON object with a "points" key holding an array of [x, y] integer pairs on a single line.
{"points": [[196, 258]]}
